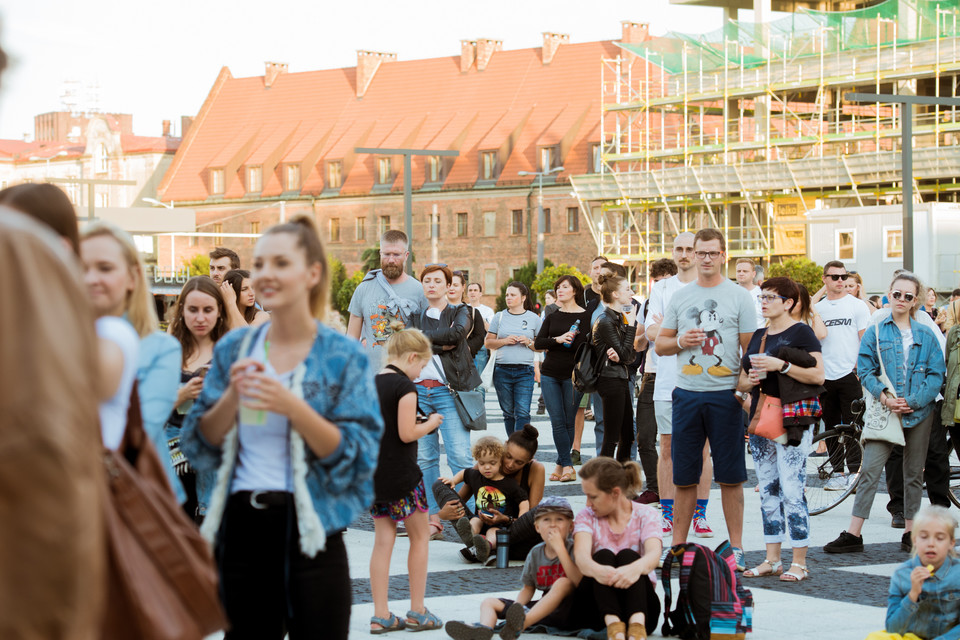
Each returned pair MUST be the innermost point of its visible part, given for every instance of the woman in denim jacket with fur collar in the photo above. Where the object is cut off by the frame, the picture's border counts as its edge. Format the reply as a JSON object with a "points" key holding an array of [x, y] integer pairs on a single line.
{"points": [[289, 420], [913, 362]]}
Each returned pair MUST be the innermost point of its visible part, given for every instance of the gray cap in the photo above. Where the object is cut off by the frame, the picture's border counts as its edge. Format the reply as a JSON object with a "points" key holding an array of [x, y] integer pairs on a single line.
{"points": [[554, 504]]}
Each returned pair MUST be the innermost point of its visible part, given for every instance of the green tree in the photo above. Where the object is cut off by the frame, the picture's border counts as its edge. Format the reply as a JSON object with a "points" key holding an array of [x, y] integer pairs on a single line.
{"points": [[338, 273], [549, 275], [525, 274], [370, 259], [345, 293], [199, 264], [802, 270]]}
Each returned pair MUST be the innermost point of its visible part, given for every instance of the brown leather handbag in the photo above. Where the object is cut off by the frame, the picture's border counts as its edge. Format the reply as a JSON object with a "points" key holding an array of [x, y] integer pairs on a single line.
{"points": [[162, 580]]}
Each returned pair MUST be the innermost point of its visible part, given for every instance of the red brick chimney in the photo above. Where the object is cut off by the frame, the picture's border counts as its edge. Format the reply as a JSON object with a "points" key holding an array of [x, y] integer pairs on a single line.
{"points": [[367, 64], [634, 32], [185, 123], [166, 128], [485, 49], [273, 71], [551, 43], [468, 54]]}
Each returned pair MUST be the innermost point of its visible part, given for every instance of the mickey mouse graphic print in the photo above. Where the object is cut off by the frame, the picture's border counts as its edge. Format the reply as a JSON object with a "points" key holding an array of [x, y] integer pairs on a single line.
{"points": [[723, 313]]}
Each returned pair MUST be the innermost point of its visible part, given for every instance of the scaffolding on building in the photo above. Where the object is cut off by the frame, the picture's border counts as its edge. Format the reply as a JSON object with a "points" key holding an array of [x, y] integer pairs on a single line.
{"points": [[746, 128]]}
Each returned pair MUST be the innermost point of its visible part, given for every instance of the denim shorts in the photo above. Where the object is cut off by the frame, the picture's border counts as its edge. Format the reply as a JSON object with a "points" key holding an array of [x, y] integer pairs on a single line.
{"points": [[699, 416]]}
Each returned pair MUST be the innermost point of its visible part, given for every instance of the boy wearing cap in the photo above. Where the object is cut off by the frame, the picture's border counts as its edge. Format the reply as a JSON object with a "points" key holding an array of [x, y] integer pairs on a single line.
{"points": [[549, 567]]}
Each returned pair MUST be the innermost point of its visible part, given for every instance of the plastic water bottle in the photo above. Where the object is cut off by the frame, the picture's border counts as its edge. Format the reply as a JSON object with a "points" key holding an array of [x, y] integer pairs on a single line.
{"points": [[575, 329], [503, 548]]}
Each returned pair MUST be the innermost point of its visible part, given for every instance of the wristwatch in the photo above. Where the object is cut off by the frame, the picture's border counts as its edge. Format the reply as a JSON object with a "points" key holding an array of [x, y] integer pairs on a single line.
{"points": [[740, 395], [786, 367]]}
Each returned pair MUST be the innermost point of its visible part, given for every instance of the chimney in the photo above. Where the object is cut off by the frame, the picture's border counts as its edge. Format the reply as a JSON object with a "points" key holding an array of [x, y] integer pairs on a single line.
{"points": [[272, 72], [634, 32], [468, 53], [485, 49], [166, 128], [185, 123], [367, 64], [552, 42]]}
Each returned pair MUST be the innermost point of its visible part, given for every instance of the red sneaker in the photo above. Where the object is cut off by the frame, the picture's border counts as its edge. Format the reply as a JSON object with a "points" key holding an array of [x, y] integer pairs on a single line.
{"points": [[667, 527], [701, 529]]}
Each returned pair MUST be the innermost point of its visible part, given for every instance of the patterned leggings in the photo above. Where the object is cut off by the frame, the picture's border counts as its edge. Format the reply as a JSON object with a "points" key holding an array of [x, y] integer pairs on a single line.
{"points": [[782, 476]]}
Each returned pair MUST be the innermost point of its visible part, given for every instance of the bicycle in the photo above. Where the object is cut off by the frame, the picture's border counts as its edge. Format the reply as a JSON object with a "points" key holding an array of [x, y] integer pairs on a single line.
{"points": [[843, 441]]}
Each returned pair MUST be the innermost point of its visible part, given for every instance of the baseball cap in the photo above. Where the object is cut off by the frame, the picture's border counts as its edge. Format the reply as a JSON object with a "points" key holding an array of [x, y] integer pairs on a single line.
{"points": [[554, 504]]}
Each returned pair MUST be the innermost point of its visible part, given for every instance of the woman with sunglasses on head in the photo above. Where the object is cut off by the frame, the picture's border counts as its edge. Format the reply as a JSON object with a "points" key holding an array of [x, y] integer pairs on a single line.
{"points": [[199, 321], [772, 364], [288, 418], [245, 313], [909, 355]]}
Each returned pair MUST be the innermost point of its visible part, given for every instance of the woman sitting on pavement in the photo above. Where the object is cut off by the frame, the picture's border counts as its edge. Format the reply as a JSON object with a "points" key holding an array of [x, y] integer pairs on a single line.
{"points": [[517, 463], [909, 354], [776, 353], [617, 545]]}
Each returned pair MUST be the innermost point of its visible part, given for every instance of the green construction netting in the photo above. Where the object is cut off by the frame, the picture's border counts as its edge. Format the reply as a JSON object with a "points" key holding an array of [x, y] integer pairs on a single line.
{"points": [[803, 33]]}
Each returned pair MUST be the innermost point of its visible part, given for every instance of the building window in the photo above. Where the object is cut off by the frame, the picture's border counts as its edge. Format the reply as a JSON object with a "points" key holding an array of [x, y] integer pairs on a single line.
{"points": [[597, 158], [516, 222], [293, 177], [573, 220], [254, 179], [103, 199], [334, 229], [434, 168], [489, 223], [547, 158], [100, 159], [846, 245], [546, 221], [489, 280], [430, 222], [216, 182], [489, 168], [334, 174], [892, 244], [384, 224], [466, 275], [218, 229], [384, 171], [255, 227], [462, 222], [361, 227]]}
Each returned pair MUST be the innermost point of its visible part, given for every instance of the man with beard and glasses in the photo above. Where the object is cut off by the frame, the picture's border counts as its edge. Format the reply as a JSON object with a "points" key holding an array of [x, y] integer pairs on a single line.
{"points": [[386, 299]]}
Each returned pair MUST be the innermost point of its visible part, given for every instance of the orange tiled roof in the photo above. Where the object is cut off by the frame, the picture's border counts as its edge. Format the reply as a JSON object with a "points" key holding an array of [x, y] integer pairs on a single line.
{"points": [[514, 106], [20, 151], [147, 144]]}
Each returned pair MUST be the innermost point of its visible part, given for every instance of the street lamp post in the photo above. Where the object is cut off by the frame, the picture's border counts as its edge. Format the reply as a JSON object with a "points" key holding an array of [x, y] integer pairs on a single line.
{"points": [[541, 223]]}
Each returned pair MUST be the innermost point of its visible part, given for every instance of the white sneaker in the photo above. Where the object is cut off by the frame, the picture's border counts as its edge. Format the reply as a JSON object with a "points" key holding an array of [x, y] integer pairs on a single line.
{"points": [[852, 480], [836, 483]]}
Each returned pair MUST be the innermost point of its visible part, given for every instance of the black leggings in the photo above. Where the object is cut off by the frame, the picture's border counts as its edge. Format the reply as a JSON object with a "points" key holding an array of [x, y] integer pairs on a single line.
{"points": [[617, 418], [640, 597], [523, 533], [269, 587]]}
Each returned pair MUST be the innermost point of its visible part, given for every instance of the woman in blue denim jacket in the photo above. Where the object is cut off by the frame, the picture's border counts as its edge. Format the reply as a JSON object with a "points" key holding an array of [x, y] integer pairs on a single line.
{"points": [[914, 365], [289, 420], [924, 596]]}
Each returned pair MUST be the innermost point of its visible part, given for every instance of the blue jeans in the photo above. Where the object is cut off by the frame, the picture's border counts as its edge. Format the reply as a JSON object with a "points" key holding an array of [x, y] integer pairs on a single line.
{"points": [[562, 401], [782, 476], [456, 439], [480, 360], [514, 385]]}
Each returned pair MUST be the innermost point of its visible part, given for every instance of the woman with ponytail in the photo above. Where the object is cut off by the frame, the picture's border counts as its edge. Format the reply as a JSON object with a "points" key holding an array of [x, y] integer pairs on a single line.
{"points": [[617, 544], [286, 420]]}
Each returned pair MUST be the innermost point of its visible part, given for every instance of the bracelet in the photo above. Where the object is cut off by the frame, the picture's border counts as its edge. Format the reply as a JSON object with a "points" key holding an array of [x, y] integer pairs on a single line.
{"points": [[680, 346]]}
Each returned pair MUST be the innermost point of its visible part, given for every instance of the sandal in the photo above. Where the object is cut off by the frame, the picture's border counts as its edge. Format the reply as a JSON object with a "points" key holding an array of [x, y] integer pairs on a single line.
{"points": [[391, 623], [425, 621], [616, 628], [776, 569], [794, 576], [636, 631], [436, 530], [555, 476], [569, 476]]}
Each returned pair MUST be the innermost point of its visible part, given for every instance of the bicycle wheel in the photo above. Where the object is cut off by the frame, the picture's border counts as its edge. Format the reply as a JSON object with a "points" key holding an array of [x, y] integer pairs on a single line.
{"points": [[824, 467], [954, 492]]}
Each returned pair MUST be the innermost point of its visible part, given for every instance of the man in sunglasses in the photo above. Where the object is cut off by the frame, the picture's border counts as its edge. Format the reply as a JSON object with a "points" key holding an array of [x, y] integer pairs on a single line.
{"points": [[846, 318]]}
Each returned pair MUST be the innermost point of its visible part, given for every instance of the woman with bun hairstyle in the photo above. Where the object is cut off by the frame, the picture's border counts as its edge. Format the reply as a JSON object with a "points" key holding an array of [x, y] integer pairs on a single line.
{"points": [[517, 463], [617, 544], [246, 313], [288, 418]]}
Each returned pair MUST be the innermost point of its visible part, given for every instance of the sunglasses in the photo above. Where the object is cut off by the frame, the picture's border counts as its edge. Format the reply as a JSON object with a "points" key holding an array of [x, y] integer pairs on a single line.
{"points": [[837, 276], [770, 297], [436, 264], [906, 297]]}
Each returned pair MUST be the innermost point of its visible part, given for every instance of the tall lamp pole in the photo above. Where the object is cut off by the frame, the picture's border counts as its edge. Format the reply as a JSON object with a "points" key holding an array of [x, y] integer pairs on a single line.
{"points": [[541, 223]]}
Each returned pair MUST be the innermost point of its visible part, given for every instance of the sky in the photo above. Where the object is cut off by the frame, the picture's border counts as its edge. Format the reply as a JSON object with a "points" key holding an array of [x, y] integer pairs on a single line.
{"points": [[158, 59]]}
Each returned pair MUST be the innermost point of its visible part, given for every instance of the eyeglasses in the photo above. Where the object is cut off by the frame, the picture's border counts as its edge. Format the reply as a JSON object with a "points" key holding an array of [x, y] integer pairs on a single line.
{"points": [[837, 276], [907, 297], [770, 297], [703, 255], [436, 264]]}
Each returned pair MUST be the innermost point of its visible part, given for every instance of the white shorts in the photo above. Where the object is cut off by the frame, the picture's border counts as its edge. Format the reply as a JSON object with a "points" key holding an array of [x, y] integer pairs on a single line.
{"points": [[663, 410]]}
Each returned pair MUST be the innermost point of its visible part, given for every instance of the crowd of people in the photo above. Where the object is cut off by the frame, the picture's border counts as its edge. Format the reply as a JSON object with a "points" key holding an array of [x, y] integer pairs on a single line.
{"points": [[276, 431]]}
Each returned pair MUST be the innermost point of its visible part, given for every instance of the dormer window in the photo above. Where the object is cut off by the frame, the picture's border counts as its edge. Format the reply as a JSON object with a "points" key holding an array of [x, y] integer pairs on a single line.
{"points": [[334, 174], [254, 179], [384, 171], [292, 177], [216, 182], [489, 167], [548, 157], [434, 168]]}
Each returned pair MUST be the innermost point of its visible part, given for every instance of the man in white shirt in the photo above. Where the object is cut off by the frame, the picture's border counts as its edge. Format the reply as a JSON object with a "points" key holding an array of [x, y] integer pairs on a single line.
{"points": [[747, 278], [846, 318], [666, 381]]}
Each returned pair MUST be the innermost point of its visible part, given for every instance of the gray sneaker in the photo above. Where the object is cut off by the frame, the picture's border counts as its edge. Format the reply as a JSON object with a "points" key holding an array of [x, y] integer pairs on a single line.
{"points": [[481, 548], [515, 616], [463, 631], [464, 530], [738, 557]]}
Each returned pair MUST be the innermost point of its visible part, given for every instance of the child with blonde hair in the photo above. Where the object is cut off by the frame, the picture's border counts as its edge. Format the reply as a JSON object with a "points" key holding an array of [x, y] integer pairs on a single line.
{"points": [[398, 482], [923, 590]]}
